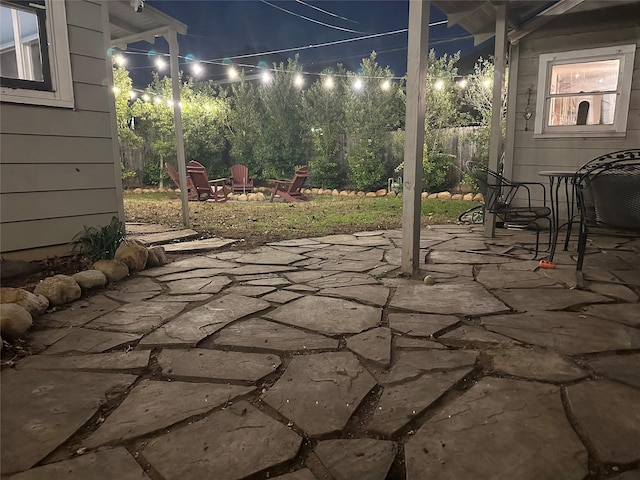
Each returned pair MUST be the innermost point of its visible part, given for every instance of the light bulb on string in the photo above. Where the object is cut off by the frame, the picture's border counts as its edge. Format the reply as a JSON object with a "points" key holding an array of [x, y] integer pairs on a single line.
{"points": [[120, 60], [439, 85], [386, 85], [160, 63], [158, 100], [146, 97], [196, 68], [132, 94], [328, 83], [266, 77], [298, 80], [232, 73], [462, 83], [357, 84]]}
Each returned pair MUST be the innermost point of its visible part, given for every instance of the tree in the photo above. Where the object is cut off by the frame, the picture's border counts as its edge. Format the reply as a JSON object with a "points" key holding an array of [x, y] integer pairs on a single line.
{"points": [[243, 124], [374, 107], [126, 137]]}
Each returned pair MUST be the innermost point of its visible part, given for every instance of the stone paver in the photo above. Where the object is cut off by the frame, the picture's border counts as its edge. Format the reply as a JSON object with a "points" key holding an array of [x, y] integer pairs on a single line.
{"points": [[246, 441], [627, 313], [409, 342], [153, 405], [327, 315], [139, 317], [399, 404], [197, 273], [270, 256], [193, 326], [165, 237], [44, 408], [470, 335], [498, 429], [116, 463], [531, 299], [269, 282], [79, 313], [262, 334], [493, 278], [470, 299], [374, 345], [84, 340], [362, 458], [347, 279], [375, 295], [412, 364], [464, 258], [198, 285], [281, 296], [250, 291], [622, 368], [320, 392], [420, 324], [304, 474], [207, 364], [565, 332], [198, 245], [196, 262], [536, 364], [609, 414], [134, 290], [133, 361], [374, 254]]}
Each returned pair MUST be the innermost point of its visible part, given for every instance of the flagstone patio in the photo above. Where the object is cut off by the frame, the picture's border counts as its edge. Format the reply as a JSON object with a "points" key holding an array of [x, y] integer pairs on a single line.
{"points": [[313, 359]]}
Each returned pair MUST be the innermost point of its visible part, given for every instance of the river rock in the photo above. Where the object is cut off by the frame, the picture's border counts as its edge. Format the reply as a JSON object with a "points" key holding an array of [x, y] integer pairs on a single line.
{"points": [[157, 257], [115, 270], [133, 255], [36, 305], [90, 279], [59, 289], [15, 321]]}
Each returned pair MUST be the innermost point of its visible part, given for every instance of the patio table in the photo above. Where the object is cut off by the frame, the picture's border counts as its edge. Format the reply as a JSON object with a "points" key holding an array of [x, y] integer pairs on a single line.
{"points": [[556, 179]]}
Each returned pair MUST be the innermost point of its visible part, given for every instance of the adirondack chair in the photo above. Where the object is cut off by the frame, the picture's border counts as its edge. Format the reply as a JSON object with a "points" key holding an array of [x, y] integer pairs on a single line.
{"points": [[240, 179], [192, 194], [290, 190], [207, 190]]}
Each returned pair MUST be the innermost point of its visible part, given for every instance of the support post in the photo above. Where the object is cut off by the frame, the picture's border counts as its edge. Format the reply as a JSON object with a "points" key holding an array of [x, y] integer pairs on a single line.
{"points": [[495, 141], [172, 39], [417, 55]]}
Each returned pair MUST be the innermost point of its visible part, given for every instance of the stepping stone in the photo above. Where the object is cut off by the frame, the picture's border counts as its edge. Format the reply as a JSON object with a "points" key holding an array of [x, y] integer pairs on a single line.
{"points": [[135, 290], [257, 333], [331, 316], [531, 299], [269, 282], [79, 313], [353, 240], [197, 273], [613, 290], [371, 255], [408, 342], [622, 368], [301, 288], [342, 280], [201, 363], [493, 278], [250, 291], [374, 345], [375, 295], [361, 458], [281, 296], [420, 324], [152, 406], [320, 392], [472, 336], [198, 245], [195, 262], [304, 474], [297, 242], [134, 361], [84, 340], [348, 265], [42, 409], [270, 256], [626, 313], [140, 317], [165, 237], [454, 269], [630, 475], [470, 299], [198, 285], [116, 463], [566, 332], [535, 364], [412, 364], [400, 404], [608, 413], [498, 426], [145, 228], [40, 339], [629, 277], [246, 441], [444, 256], [193, 298], [199, 323], [461, 244], [305, 276], [259, 269]]}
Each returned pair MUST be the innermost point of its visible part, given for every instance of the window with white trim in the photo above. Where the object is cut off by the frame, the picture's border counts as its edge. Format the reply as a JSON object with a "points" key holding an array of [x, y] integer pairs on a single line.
{"points": [[35, 66], [584, 92]]}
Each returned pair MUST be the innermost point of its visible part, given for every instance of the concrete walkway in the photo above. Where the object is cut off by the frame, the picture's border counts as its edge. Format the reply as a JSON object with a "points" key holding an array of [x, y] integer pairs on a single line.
{"points": [[311, 359]]}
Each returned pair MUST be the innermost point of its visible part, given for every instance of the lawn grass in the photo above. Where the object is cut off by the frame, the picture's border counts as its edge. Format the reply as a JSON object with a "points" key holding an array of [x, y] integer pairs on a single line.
{"points": [[260, 222]]}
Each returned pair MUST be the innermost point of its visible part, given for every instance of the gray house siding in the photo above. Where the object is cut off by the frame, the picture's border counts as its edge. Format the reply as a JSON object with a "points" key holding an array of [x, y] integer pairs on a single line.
{"points": [[57, 171], [530, 154]]}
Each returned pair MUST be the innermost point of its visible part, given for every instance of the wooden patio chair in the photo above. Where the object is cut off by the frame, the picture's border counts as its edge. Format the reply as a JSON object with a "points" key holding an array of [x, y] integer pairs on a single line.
{"points": [[291, 190], [207, 190], [608, 194], [241, 182], [192, 194]]}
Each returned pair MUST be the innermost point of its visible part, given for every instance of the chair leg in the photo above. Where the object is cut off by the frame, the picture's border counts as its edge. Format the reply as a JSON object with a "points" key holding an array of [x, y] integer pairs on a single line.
{"points": [[273, 193], [582, 245]]}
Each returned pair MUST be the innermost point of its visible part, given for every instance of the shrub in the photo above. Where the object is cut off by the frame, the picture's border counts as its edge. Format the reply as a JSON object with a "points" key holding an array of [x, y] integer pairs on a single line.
{"points": [[101, 243]]}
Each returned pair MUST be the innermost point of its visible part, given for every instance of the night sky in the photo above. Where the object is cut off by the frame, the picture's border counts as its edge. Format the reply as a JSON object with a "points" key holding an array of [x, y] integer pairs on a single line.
{"points": [[221, 29]]}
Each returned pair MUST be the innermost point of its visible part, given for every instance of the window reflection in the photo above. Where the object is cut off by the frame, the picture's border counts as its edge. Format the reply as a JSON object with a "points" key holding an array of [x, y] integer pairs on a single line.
{"points": [[20, 56]]}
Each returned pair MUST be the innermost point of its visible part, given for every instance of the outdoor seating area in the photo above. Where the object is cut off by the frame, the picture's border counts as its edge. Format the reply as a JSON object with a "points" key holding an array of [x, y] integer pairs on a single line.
{"points": [[291, 190], [313, 358]]}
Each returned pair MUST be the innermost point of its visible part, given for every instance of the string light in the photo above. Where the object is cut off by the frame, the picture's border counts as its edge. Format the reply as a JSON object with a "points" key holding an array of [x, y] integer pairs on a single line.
{"points": [[120, 60], [439, 85], [298, 80], [132, 95], [160, 63], [232, 73], [463, 83], [328, 83], [266, 77], [357, 84], [386, 85], [196, 68]]}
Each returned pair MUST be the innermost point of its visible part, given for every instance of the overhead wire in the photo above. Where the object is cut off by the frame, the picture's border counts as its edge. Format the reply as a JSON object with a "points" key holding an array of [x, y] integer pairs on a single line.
{"points": [[335, 27], [325, 11]]}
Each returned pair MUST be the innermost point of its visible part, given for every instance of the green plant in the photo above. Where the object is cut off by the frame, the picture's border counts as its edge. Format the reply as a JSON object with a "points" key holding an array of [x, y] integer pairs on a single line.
{"points": [[100, 243]]}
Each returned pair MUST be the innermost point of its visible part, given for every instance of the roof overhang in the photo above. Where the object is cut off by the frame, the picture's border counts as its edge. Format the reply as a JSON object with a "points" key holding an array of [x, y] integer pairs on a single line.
{"points": [[128, 26]]}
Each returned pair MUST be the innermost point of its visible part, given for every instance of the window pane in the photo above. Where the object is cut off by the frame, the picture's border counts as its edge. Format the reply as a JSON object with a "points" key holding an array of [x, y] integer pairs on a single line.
{"points": [[583, 110], [584, 77], [20, 44]]}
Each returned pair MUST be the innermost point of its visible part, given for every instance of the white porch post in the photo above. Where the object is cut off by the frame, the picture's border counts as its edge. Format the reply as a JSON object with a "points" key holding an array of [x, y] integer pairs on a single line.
{"points": [[414, 133], [172, 39], [495, 141]]}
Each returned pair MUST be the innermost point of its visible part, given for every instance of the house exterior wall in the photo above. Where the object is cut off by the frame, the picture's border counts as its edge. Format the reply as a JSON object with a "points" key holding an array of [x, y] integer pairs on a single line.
{"points": [[530, 154], [57, 165]]}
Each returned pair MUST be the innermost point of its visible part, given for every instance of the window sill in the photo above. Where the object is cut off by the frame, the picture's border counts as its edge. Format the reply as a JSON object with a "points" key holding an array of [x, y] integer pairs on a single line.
{"points": [[35, 97]]}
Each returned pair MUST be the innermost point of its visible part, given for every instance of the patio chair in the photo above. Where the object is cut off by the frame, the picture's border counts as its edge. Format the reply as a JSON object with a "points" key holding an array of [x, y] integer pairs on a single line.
{"points": [[240, 179], [291, 190], [192, 194], [207, 190], [608, 195], [499, 194]]}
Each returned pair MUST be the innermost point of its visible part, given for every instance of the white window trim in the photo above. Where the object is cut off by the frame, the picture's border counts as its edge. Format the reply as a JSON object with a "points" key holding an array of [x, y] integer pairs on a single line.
{"points": [[625, 53], [59, 61]]}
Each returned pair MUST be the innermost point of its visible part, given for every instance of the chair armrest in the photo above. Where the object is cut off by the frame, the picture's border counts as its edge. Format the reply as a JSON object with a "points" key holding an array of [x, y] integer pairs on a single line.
{"points": [[280, 182], [218, 180], [517, 185]]}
